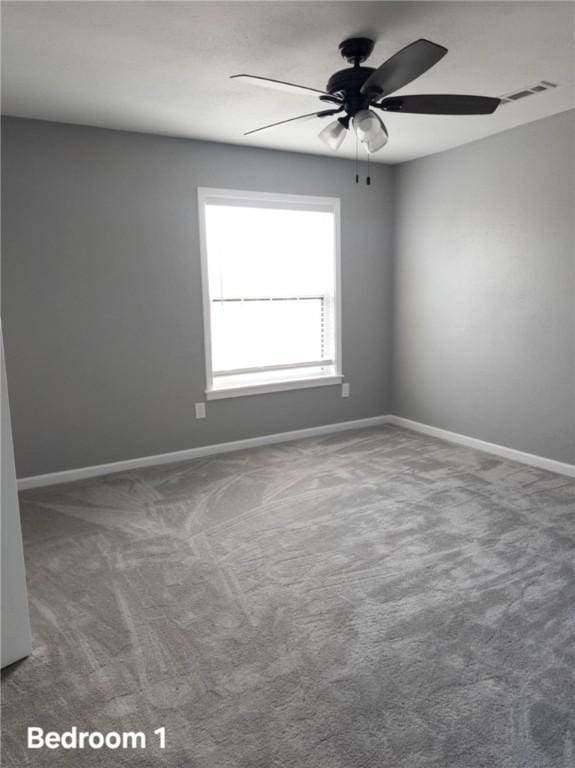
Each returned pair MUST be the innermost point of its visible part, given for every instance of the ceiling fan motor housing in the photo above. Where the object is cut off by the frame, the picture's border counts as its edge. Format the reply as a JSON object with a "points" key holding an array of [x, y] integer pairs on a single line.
{"points": [[347, 84]]}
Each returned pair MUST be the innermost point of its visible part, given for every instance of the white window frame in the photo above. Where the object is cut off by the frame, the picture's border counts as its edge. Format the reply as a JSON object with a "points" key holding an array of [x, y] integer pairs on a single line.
{"points": [[308, 202]]}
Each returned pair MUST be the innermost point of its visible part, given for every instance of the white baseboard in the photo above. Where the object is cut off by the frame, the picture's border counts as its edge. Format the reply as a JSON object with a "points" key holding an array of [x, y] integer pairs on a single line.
{"points": [[71, 475], [481, 445]]}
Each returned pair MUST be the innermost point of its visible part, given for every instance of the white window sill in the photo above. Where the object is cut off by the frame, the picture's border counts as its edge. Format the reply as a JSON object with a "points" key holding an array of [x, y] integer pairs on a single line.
{"points": [[276, 386]]}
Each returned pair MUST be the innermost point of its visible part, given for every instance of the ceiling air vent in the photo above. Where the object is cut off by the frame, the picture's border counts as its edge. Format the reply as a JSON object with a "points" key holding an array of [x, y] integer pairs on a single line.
{"points": [[542, 85]]}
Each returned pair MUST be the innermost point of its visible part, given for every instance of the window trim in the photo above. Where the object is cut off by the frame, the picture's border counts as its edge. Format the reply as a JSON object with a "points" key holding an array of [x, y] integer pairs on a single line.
{"points": [[296, 202]]}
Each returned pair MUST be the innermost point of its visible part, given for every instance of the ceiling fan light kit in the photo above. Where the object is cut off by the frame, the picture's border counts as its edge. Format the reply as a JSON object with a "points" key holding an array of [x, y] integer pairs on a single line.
{"points": [[358, 90]]}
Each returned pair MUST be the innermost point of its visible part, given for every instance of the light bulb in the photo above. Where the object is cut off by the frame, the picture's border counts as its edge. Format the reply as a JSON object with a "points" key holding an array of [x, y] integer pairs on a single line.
{"points": [[370, 130], [333, 135]]}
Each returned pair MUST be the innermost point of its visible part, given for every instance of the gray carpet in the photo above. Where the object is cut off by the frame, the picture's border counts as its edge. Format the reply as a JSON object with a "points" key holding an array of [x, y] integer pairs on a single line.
{"points": [[374, 599]]}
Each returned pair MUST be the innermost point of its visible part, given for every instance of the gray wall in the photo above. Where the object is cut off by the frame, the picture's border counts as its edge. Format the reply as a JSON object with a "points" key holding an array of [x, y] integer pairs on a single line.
{"points": [[101, 293], [102, 305], [484, 289]]}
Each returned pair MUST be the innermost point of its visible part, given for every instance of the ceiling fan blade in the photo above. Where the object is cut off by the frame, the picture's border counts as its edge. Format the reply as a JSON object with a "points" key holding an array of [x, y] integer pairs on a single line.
{"points": [[441, 104], [323, 113], [280, 85], [407, 64]]}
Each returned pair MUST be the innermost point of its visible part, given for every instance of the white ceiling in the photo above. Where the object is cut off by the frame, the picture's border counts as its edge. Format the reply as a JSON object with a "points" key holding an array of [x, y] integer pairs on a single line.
{"points": [[163, 67]]}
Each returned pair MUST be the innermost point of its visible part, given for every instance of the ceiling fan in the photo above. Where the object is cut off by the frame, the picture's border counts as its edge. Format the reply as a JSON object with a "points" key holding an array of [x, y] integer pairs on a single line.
{"points": [[357, 90]]}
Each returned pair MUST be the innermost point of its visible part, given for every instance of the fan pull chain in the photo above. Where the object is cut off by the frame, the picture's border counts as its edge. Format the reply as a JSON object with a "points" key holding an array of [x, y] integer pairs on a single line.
{"points": [[368, 177], [356, 160]]}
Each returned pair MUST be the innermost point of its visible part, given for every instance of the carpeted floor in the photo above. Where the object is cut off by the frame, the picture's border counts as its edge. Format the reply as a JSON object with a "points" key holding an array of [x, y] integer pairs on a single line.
{"points": [[374, 599]]}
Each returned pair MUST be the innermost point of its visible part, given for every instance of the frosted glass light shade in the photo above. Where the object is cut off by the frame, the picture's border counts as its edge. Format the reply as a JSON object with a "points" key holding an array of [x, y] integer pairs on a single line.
{"points": [[370, 130], [375, 144], [333, 135]]}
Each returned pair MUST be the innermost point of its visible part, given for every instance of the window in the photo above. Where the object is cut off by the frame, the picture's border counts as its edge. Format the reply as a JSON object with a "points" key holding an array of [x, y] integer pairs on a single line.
{"points": [[270, 276]]}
